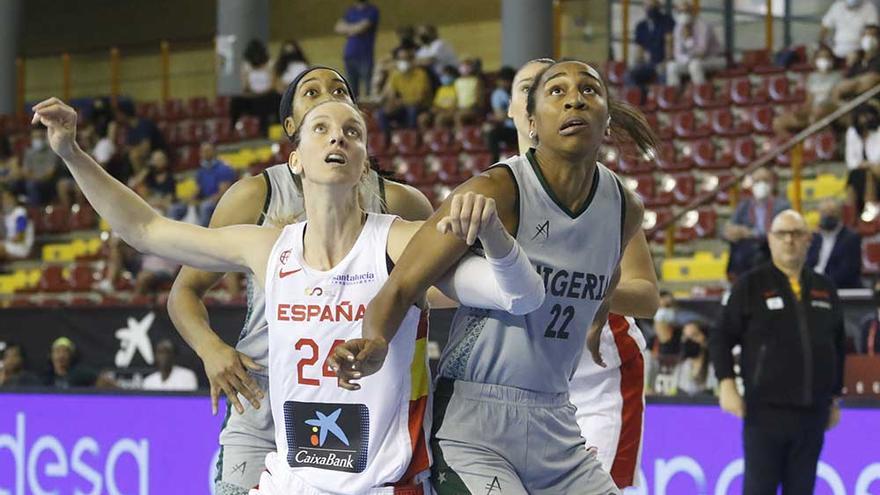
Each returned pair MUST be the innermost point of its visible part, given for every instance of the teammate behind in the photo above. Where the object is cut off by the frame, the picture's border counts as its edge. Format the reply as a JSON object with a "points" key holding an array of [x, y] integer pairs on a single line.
{"points": [[328, 440]]}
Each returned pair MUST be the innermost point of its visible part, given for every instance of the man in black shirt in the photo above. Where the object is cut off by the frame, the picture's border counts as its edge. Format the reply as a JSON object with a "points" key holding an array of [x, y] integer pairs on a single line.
{"points": [[789, 324]]}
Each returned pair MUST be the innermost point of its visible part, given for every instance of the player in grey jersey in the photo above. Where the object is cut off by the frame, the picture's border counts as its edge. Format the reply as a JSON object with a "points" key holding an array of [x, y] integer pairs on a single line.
{"points": [[272, 197], [502, 419]]}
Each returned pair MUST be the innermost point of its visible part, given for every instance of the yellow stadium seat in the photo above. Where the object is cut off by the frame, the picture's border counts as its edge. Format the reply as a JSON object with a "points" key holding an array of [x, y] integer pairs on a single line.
{"points": [[276, 132], [58, 252], [812, 219], [702, 267], [7, 284], [823, 186], [103, 225], [263, 153], [187, 189]]}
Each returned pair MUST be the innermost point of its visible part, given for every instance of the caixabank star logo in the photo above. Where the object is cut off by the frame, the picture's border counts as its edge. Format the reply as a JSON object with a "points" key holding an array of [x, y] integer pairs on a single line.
{"points": [[327, 436]]}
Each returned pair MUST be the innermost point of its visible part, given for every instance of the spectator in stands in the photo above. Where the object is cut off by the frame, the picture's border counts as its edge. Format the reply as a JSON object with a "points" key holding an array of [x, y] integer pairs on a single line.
{"points": [[747, 229], [18, 228], [847, 19], [670, 323], [820, 84], [159, 186], [500, 126], [105, 146], [696, 49], [862, 151], [653, 39], [42, 173], [64, 370], [864, 71], [291, 63], [12, 368], [214, 178], [259, 98], [10, 170], [469, 92], [836, 251], [434, 54], [694, 374], [445, 102], [359, 24], [407, 93], [139, 129], [170, 377], [869, 328]]}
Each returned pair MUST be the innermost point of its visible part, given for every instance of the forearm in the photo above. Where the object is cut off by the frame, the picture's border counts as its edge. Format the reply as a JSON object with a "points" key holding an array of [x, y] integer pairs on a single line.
{"points": [[190, 315], [125, 211], [386, 312], [635, 297]]}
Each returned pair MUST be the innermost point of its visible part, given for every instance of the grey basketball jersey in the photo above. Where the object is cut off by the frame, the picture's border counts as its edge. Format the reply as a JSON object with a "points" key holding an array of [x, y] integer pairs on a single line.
{"points": [[284, 205], [576, 253]]}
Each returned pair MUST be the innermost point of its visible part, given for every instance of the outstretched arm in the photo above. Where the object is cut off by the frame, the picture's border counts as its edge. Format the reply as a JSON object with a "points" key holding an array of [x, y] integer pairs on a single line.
{"points": [[228, 249], [636, 294]]}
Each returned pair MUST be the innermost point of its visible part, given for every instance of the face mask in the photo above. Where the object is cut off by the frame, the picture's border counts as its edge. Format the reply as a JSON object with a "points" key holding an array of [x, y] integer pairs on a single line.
{"points": [[824, 64], [38, 143], [683, 18], [691, 349], [446, 80], [665, 315], [828, 224], [465, 69], [760, 190], [853, 3], [404, 65], [869, 43]]}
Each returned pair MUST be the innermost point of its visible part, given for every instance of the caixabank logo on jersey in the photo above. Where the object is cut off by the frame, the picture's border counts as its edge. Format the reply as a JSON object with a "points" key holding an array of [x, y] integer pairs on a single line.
{"points": [[327, 436]]}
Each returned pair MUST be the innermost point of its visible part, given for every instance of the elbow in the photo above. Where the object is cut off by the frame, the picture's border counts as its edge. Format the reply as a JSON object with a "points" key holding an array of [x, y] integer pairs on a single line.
{"points": [[651, 304], [527, 303]]}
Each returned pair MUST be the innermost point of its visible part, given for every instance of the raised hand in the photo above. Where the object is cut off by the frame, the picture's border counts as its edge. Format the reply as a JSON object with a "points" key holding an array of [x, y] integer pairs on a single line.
{"points": [[473, 215], [60, 120]]}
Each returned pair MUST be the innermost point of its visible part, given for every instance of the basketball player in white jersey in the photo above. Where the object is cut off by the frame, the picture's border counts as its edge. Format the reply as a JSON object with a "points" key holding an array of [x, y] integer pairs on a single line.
{"points": [[318, 278], [610, 400], [269, 198], [502, 418]]}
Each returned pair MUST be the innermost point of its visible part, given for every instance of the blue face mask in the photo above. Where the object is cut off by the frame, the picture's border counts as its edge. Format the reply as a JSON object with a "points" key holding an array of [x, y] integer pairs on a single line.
{"points": [[446, 79]]}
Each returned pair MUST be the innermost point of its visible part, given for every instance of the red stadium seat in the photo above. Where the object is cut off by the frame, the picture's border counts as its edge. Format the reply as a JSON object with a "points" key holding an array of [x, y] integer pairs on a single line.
{"points": [[187, 158], [725, 123], [54, 220], [82, 217], [189, 132], [632, 95], [679, 188], [405, 141], [218, 130], [742, 93], [199, 108], [697, 224], [630, 162], [616, 72], [52, 280], [439, 141], [221, 106], [413, 170], [377, 144], [447, 168], [824, 145], [741, 149], [148, 110], [669, 99], [643, 185], [474, 163], [471, 139], [82, 277], [173, 109], [247, 128], [671, 160], [705, 96], [762, 119], [780, 91], [660, 124], [686, 125]]}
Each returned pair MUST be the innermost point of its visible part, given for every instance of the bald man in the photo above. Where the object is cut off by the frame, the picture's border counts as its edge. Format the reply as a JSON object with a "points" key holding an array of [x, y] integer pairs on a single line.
{"points": [[788, 320]]}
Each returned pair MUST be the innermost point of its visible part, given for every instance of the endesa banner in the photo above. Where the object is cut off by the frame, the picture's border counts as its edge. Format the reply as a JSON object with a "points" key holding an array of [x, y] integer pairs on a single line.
{"points": [[135, 445]]}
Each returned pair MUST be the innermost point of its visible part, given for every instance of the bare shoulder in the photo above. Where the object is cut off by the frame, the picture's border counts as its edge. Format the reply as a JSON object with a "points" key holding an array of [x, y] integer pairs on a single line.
{"points": [[406, 201], [399, 236], [242, 203], [635, 213]]}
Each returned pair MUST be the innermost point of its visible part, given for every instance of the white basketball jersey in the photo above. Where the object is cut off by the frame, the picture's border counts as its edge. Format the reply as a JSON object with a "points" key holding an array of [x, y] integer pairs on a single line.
{"points": [[332, 439], [283, 205]]}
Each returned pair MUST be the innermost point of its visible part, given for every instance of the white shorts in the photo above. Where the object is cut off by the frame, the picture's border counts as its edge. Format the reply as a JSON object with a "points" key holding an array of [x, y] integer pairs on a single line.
{"points": [[611, 401], [279, 480]]}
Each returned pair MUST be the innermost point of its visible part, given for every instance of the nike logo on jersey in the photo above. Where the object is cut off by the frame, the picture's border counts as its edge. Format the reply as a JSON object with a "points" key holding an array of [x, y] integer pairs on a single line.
{"points": [[282, 273]]}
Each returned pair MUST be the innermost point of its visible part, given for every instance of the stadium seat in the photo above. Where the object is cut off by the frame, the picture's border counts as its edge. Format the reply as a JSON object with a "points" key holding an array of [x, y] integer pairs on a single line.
{"points": [[199, 108], [780, 91], [670, 99], [616, 72], [678, 188], [405, 141], [643, 185], [52, 280], [189, 132], [412, 169], [632, 95], [698, 224], [447, 168], [725, 123], [474, 163], [671, 160], [706, 156], [762, 119], [661, 125], [439, 141], [148, 110], [172, 109], [82, 277], [471, 139], [377, 144], [686, 125], [705, 96], [218, 130], [742, 93], [824, 145], [187, 158], [221, 106], [709, 182], [54, 220], [82, 217], [247, 127], [631, 163]]}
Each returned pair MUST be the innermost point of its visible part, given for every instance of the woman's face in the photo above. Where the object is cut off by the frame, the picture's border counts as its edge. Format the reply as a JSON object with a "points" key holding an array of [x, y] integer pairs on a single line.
{"points": [[316, 87], [332, 147], [571, 110], [519, 94]]}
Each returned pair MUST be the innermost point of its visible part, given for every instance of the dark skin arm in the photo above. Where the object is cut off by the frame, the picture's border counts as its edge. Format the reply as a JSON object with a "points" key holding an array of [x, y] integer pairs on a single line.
{"points": [[225, 367], [428, 256]]}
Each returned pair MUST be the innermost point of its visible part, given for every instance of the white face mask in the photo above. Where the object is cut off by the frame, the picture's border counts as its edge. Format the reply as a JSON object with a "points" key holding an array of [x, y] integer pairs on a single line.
{"points": [[869, 43], [38, 143], [760, 190], [683, 18], [853, 3], [824, 64], [404, 65]]}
